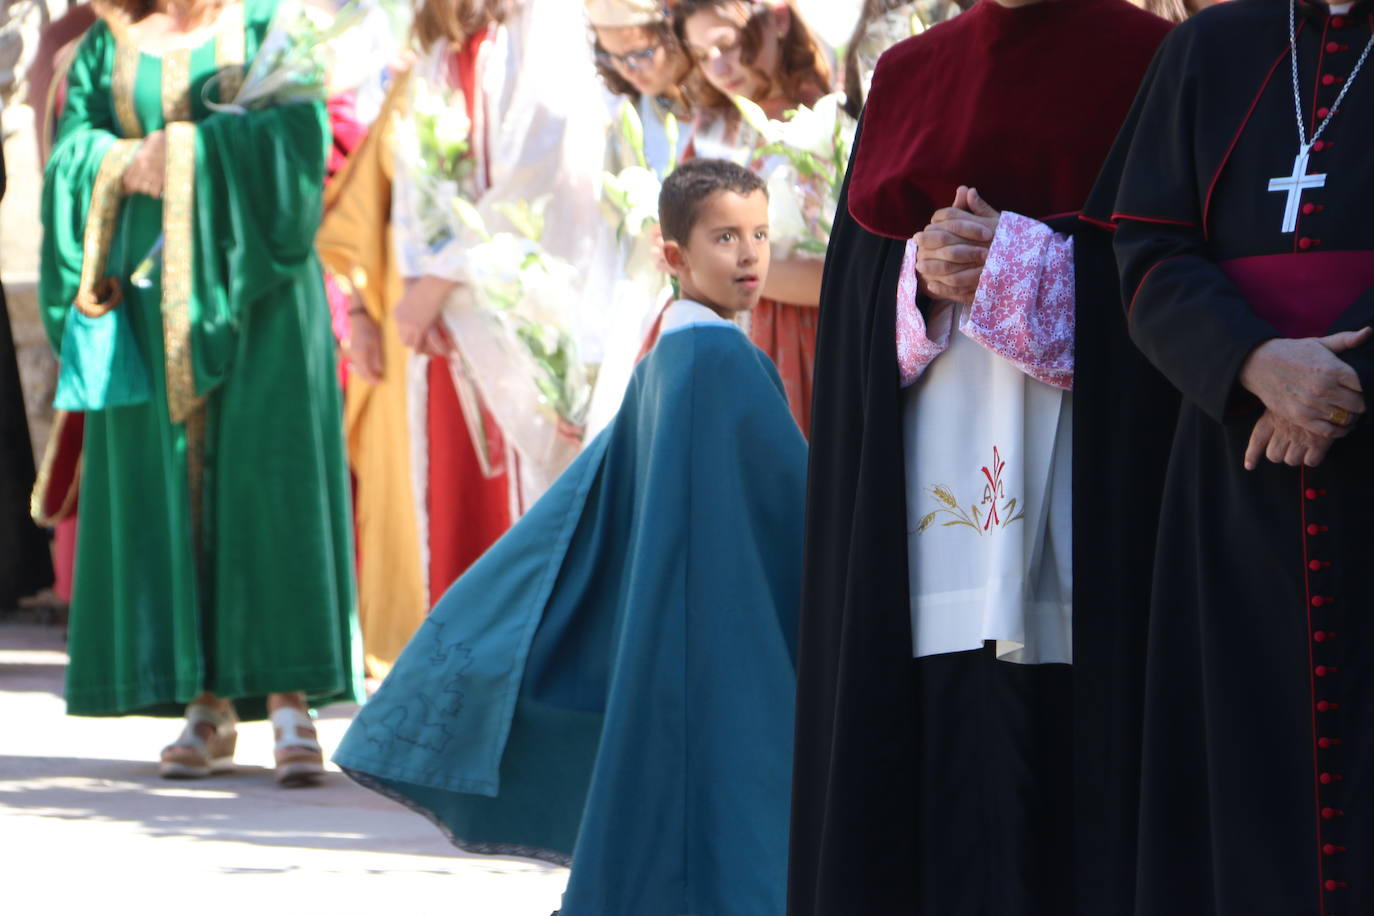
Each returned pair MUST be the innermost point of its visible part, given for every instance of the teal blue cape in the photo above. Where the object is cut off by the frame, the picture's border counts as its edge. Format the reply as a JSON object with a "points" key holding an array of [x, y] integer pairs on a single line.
{"points": [[612, 683]]}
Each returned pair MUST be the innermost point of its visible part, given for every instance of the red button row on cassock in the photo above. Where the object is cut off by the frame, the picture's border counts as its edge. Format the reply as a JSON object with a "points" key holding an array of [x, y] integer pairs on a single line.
{"points": [[1322, 636]]}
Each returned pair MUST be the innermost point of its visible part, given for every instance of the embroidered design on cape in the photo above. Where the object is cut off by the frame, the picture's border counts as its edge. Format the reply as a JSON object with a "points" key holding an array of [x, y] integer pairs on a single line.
{"points": [[427, 723], [993, 512]]}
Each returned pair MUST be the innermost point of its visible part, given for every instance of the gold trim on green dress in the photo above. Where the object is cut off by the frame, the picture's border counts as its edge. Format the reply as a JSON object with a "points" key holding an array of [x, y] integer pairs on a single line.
{"points": [[215, 544]]}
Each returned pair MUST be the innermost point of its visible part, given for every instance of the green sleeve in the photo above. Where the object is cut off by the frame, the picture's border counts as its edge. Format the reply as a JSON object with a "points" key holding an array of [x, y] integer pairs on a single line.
{"points": [[259, 186], [85, 135]]}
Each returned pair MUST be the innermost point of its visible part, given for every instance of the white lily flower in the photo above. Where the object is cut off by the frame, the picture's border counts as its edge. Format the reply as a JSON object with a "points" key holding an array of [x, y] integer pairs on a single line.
{"points": [[424, 101], [787, 222], [546, 282], [634, 192], [452, 128], [470, 217], [809, 132], [632, 129], [755, 117]]}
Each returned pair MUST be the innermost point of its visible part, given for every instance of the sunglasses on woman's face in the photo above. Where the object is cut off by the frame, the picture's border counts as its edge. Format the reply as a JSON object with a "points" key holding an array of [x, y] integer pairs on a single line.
{"points": [[633, 62]]}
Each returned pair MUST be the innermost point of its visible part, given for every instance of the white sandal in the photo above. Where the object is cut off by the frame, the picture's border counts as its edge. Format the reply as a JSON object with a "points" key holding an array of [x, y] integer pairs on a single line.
{"points": [[300, 759], [194, 757]]}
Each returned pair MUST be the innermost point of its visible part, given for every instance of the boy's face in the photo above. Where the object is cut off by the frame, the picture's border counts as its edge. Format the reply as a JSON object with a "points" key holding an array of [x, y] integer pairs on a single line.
{"points": [[725, 261]]}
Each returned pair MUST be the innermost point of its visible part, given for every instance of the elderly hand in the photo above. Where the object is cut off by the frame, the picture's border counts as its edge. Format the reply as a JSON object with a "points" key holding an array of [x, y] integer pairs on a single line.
{"points": [[147, 172], [417, 315], [952, 250], [1283, 442], [1305, 383]]}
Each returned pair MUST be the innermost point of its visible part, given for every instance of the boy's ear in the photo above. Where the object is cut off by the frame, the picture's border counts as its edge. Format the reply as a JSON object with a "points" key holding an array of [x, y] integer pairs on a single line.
{"points": [[672, 253]]}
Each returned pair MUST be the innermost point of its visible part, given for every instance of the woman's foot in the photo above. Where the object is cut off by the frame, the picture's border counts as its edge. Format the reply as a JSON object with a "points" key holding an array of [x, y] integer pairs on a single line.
{"points": [[206, 744], [300, 760]]}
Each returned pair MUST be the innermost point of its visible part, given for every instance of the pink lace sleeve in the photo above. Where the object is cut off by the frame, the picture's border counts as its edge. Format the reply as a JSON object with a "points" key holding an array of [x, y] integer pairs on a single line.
{"points": [[915, 349], [1024, 308]]}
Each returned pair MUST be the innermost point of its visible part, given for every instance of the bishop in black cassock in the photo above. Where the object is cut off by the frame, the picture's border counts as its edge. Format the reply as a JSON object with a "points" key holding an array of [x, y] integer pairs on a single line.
{"points": [[956, 783], [1259, 751]]}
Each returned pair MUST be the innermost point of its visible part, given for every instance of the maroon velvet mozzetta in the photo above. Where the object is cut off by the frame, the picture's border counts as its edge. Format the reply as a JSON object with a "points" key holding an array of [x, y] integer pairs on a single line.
{"points": [[1022, 104]]}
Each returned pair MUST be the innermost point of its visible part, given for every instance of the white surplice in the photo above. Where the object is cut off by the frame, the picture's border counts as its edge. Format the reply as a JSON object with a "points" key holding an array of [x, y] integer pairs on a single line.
{"points": [[988, 448]]}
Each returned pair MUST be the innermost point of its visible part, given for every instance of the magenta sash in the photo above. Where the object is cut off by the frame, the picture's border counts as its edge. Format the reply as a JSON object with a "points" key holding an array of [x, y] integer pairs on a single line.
{"points": [[1302, 295]]}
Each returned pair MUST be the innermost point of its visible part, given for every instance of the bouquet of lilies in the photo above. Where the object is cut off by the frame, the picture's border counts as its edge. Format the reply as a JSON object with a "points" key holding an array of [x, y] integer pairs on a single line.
{"points": [[300, 60], [631, 197], [633, 191], [523, 292], [296, 62], [811, 147], [434, 141]]}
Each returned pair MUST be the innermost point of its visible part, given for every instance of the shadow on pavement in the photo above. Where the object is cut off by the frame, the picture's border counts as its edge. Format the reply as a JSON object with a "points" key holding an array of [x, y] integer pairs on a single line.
{"points": [[28, 678], [244, 806]]}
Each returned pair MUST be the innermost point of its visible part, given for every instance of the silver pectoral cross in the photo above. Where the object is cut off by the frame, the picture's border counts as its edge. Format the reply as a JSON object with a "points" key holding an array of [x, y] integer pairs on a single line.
{"points": [[1295, 184]]}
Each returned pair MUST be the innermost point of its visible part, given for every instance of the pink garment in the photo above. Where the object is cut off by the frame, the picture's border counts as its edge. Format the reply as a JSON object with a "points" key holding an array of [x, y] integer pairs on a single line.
{"points": [[348, 131], [64, 558], [1023, 310], [915, 348], [339, 304]]}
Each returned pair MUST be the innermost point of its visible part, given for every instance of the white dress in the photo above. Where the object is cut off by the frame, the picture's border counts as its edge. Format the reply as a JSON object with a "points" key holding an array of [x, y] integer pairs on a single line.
{"points": [[539, 136]]}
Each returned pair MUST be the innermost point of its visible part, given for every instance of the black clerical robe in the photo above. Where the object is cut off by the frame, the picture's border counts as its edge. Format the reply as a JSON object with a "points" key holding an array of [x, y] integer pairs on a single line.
{"points": [[1259, 752], [25, 566], [957, 784]]}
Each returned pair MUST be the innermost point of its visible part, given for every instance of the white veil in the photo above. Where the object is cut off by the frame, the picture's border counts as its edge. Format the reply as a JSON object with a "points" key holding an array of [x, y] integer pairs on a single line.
{"points": [[545, 129]]}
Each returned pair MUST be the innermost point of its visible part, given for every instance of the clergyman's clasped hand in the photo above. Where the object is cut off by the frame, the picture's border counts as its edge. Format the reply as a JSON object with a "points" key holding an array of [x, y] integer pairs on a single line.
{"points": [[953, 249], [1311, 397]]}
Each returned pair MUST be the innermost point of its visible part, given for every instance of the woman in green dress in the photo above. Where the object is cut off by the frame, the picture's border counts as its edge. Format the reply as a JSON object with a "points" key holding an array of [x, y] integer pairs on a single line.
{"points": [[215, 563]]}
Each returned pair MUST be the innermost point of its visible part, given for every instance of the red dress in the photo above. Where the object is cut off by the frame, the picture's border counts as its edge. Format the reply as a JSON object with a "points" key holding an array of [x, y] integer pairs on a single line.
{"points": [[468, 510]]}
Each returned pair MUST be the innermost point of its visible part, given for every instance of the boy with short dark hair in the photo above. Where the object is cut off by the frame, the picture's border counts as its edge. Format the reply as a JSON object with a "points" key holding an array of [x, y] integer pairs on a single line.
{"points": [[714, 218], [612, 683]]}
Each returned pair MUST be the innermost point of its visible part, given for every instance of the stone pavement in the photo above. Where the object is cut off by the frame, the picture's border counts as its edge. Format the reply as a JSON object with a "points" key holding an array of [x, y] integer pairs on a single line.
{"points": [[86, 825]]}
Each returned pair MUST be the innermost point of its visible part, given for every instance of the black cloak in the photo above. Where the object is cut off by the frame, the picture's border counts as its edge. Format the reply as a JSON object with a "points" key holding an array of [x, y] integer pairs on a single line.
{"points": [[903, 801]]}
